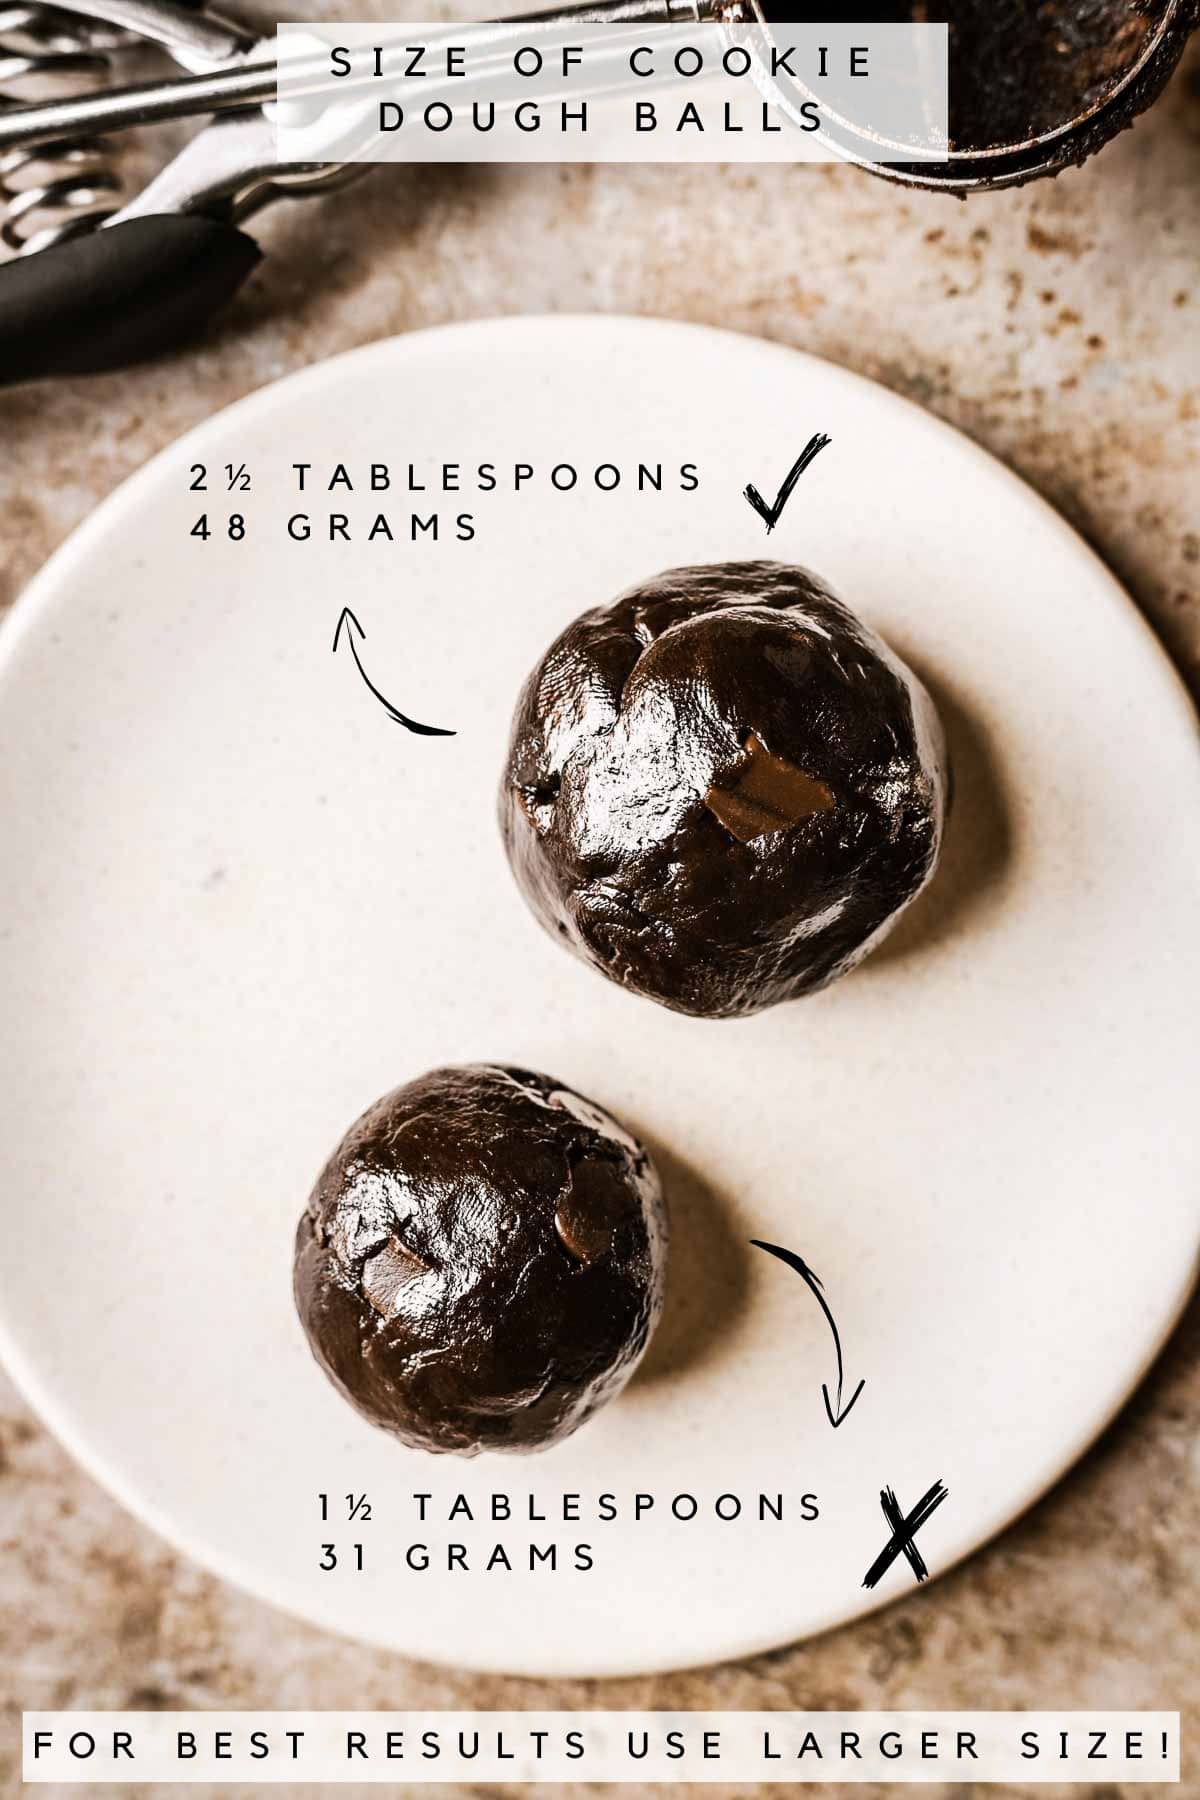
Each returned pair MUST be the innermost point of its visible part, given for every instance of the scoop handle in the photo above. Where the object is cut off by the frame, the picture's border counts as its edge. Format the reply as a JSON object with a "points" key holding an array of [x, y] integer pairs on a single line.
{"points": [[118, 295]]}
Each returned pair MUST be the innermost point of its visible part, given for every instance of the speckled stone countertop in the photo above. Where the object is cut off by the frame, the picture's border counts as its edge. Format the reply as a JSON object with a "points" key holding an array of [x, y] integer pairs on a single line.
{"points": [[1060, 326]]}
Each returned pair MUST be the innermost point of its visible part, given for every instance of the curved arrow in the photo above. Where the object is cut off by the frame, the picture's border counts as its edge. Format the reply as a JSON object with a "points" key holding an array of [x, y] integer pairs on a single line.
{"points": [[835, 1415], [351, 625]]}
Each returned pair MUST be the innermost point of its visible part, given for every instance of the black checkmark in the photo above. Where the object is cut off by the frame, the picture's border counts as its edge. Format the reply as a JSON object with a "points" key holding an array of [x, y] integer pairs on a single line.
{"points": [[771, 514]]}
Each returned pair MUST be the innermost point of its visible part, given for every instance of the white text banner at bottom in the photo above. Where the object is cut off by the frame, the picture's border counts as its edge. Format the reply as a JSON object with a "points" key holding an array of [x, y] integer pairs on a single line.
{"points": [[531, 1747]]}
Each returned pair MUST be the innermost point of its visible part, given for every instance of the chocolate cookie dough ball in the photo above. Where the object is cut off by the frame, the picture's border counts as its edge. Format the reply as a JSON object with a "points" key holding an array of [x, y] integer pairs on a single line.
{"points": [[481, 1263], [722, 789]]}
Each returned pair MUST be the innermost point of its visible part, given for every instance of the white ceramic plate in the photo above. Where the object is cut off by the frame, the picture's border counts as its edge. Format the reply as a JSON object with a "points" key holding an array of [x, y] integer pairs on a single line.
{"points": [[239, 902]]}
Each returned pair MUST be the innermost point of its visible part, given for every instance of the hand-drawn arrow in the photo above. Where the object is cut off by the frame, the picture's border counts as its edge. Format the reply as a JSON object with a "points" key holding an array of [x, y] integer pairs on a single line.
{"points": [[351, 625], [840, 1412]]}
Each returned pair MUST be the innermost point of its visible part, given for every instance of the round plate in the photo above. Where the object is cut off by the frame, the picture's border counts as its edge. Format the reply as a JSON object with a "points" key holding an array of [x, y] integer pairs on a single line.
{"points": [[241, 901]]}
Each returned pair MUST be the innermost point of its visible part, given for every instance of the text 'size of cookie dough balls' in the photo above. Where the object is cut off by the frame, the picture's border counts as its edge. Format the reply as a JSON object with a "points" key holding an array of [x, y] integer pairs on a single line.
{"points": [[481, 1262], [722, 789]]}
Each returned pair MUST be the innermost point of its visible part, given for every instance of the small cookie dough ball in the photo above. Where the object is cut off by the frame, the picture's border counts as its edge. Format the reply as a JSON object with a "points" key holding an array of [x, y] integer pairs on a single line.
{"points": [[722, 789], [481, 1263]]}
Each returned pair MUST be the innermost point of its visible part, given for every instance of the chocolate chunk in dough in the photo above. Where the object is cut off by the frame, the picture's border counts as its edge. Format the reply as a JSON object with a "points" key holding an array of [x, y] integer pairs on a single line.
{"points": [[767, 794]]}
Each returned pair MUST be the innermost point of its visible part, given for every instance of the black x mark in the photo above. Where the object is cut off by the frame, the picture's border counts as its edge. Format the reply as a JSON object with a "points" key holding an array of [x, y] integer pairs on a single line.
{"points": [[903, 1531]]}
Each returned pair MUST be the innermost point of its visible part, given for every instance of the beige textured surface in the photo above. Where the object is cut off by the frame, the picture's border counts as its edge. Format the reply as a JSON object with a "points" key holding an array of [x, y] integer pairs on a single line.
{"points": [[1059, 326]]}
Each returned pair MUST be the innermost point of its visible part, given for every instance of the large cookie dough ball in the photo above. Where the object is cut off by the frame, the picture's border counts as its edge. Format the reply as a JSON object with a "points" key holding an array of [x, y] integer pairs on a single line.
{"points": [[481, 1263], [722, 789]]}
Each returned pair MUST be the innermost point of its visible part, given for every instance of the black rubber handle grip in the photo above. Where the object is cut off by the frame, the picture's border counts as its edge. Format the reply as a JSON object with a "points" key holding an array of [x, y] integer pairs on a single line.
{"points": [[117, 296]]}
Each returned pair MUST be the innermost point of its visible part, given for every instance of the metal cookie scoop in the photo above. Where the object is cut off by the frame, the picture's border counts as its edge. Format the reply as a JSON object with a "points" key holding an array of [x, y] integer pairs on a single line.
{"points": [[1035, 85], [100, 280]]}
